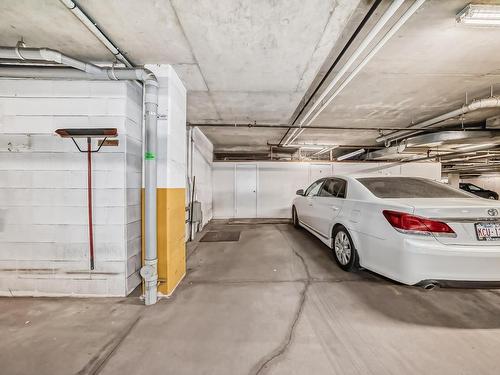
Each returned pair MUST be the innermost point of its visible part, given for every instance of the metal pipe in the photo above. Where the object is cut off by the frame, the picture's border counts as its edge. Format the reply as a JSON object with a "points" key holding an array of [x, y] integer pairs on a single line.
{"points": [[345, 68], [285, 126], [47, 54], [491, 102], [94, 29], [366, 42], [149, 272], [89, 200], [351, 40], [93, 72]]}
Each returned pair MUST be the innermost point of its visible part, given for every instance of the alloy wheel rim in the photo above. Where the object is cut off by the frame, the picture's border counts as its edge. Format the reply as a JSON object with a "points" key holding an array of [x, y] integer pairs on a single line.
{"points": [[342, 248]]}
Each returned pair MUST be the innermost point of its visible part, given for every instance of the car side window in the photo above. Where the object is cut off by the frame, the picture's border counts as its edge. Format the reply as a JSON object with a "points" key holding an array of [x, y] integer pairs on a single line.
{"points": [[314, 188], [328, 189], [474, 188], [334, 188], [341, 193]]}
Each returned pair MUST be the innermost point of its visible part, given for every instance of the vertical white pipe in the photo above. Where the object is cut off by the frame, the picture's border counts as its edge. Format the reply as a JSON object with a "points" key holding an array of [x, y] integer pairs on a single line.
{"points": [[150, 269]]}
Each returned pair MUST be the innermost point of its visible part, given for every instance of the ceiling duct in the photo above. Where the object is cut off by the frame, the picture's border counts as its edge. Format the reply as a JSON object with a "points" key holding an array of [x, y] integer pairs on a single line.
{"points": [[444, 139], [490, 102]]}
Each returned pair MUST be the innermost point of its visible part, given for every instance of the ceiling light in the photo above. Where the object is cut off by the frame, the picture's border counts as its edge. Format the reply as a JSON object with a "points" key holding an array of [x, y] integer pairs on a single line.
{"points": [[310, 147], [480, 15], [473, 147], [351, 154], [324, 150]]}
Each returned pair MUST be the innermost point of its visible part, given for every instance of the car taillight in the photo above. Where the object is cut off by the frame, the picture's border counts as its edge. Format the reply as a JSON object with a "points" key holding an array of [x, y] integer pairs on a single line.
{"points": [[405, 222]]}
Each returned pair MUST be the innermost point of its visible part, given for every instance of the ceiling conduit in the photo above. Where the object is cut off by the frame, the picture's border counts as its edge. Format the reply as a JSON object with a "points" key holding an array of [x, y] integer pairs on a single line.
{"points": [[93, 72], [490, 102], [322, 102], [94, 29]]}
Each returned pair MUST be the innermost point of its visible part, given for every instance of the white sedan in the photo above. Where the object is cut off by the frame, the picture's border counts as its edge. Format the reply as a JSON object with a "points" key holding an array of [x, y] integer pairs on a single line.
{"points": [[413, 230]]}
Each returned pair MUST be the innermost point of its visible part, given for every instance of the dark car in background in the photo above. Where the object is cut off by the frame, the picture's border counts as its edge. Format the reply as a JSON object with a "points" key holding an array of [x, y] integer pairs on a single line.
{"points": [[476, 190]]}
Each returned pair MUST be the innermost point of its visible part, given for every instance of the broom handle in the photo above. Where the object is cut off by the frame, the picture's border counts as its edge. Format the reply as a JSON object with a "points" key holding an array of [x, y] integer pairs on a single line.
{"points": [[89, 194]]}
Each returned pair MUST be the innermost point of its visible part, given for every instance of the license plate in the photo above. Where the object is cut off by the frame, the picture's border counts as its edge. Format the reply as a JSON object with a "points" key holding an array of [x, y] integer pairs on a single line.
{"points": [[488, 231]]}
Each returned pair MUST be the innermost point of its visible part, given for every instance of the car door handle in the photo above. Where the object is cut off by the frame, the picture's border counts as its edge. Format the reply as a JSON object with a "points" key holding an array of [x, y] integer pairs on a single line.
{"points": [[335, 208]]}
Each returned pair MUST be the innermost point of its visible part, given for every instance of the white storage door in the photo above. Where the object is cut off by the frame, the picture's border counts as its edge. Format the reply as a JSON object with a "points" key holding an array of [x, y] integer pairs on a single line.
{"points": [[319, 171], [246, 191]]}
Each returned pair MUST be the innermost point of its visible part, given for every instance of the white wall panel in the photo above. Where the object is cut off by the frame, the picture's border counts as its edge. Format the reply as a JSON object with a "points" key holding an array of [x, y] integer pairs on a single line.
{"points": [[278, 182], [427, 170], [245, 190], [223, 190], [317, 171], [202, 156], [275, 200]]}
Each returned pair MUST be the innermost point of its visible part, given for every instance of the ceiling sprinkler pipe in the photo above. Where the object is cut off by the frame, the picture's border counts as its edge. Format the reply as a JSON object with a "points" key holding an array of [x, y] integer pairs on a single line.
{"points": [[345, 68], [94, 72], [491, 102], [306, 120], [94, 29]]}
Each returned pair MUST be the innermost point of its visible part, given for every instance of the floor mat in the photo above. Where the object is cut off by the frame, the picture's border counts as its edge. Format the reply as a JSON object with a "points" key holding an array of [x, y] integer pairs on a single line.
{"points": [[221, 236]]}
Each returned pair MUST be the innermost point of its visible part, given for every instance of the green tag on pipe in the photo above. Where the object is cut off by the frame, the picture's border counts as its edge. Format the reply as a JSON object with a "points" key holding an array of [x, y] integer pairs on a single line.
{"points": [[149, 156]]}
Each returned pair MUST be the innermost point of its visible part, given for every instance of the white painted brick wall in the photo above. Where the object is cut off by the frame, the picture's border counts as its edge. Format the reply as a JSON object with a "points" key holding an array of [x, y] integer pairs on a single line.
{"points": [[43, 196]]}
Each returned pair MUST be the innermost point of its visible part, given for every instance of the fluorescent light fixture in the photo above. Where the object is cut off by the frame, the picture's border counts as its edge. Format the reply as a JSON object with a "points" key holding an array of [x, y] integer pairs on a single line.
{"points": [[480, 15], [473, 147], [311, 147], [324, 150], [351, 154]]}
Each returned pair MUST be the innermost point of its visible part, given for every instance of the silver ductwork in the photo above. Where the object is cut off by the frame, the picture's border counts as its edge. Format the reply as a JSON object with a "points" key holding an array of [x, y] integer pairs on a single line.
{"points": [[485, 103], [442, 140]]}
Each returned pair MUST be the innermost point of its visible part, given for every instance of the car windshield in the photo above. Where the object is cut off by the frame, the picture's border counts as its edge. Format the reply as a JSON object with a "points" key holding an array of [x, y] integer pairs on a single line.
{"points": [[409, 187]]}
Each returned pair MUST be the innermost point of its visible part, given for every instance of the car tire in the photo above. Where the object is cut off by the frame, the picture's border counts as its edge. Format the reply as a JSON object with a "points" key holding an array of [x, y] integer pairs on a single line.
{"points": [[344, 252], [295, 218], [492, 197]]}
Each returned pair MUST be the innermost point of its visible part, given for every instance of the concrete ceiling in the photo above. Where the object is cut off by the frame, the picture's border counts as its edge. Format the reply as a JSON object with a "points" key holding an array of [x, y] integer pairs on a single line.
{"points": [[245, 60], [253, 60]]}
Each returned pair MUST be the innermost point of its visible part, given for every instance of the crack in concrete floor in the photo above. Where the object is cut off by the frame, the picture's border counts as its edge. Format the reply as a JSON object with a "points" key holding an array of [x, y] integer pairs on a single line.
{"points": [[98, 362], [264, 365]]}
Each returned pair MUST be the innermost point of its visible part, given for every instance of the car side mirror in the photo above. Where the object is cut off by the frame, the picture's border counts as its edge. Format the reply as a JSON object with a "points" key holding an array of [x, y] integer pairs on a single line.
{"points": [[300, 192]]}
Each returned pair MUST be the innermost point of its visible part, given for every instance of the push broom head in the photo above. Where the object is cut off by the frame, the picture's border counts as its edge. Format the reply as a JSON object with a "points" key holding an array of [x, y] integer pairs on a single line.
{"points": [[88, 133]]}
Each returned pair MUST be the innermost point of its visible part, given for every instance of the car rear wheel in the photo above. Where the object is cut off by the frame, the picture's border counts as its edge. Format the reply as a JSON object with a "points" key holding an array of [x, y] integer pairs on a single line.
{"points": [[295, 218], [344, 251]]}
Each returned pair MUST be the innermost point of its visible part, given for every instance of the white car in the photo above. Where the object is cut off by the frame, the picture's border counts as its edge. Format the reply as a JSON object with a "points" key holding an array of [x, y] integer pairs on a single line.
{"points": [[413, 230]]}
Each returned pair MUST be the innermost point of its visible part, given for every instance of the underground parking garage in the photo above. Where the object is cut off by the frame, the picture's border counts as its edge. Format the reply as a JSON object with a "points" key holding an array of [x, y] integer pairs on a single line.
{"points": [[249, 187]]}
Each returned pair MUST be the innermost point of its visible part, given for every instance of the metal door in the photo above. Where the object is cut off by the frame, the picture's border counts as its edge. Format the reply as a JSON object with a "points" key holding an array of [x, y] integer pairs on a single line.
{"points": [[246, 191]]}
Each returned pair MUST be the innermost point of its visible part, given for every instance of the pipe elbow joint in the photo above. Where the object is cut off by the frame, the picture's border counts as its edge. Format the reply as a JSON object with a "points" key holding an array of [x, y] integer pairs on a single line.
{"points": [[147, 76]]}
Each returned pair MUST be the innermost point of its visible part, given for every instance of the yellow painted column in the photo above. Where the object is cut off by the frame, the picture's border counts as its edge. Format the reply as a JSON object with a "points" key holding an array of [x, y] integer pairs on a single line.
{"points": [[171, 238], [171, 178]]}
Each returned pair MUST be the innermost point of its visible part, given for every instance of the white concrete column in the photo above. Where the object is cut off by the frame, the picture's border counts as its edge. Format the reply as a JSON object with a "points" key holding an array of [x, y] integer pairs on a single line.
{"points": [[454, 179]]}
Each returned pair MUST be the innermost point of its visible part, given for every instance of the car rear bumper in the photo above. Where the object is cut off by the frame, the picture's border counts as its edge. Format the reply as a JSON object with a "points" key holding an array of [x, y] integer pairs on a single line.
{"points": [[427, 259]]}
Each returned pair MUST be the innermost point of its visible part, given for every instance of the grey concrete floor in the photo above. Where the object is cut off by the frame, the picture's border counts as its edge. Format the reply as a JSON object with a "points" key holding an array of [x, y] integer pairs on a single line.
{"points": [[272, 303]]}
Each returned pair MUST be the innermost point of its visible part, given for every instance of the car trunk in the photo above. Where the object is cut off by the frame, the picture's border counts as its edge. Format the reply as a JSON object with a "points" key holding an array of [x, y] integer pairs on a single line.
{"points": [[461, 214]]}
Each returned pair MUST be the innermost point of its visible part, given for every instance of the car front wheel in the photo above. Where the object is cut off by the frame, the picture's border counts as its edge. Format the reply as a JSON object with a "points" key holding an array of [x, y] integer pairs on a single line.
{"points": [[295, 218], [344, 251]]}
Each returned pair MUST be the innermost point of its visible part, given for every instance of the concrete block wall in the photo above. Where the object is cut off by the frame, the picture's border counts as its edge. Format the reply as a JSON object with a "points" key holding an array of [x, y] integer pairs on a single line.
{"points": [[43, 196]]}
